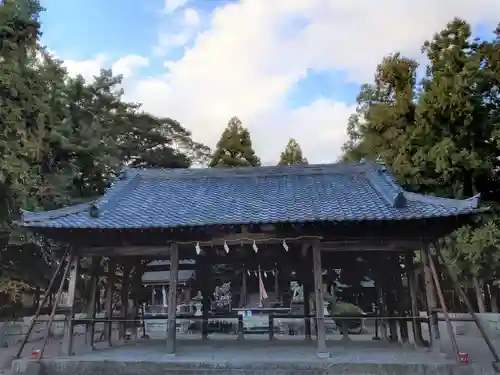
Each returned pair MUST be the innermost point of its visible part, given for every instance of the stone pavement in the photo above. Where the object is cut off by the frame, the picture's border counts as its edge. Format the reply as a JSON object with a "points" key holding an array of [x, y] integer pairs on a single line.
{"points": [[475, 347]]}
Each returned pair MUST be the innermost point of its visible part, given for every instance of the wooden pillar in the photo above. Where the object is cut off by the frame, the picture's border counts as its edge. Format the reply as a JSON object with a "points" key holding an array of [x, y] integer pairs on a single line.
{"points": [[322, 350], [401, 299], [172, 298], [127, 268], [276, 285], [304, 269], [135, 293], [244, 288], [306, 290], [411, 274], [69, 329], [94, 295], [391, 300], [430, 294], [204, 282], [109, 300]]}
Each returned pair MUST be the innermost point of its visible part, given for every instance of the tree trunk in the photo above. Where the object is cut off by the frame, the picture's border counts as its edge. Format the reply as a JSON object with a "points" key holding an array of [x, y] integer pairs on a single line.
{"points": [[487, 297], [36, 300], [479, 294], [494, 298]]}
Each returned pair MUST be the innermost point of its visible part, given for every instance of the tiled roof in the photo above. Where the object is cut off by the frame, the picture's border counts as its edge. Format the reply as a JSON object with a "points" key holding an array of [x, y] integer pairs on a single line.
{"points": [[142, 198]]}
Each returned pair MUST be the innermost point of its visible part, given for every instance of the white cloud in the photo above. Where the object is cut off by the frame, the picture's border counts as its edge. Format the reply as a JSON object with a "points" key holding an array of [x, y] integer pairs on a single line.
{"points": [[180, 29], [251, 55], [87, 68], [191, 17], [128, 64], [171, 6]]}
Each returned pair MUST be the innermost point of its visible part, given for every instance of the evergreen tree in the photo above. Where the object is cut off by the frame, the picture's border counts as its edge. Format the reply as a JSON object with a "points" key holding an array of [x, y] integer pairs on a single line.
{"points": [[441, 135], [384, 117], [62, 140], [234, 148], [292, 154]]}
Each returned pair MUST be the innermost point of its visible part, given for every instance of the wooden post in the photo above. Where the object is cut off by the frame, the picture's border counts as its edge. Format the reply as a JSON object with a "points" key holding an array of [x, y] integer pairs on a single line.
{"points": [[276, 285], [306, 290], [402, 300], [47, 296], [465, 299], [413, 287], [127, 268], [243, 294], [94, 296], [304, 276], [431, 303], [48, 326], [449, 327], [205, 285], [172, 298], [390, 286], [135, 293], [67, 347], [109, 301], [322, 350]]}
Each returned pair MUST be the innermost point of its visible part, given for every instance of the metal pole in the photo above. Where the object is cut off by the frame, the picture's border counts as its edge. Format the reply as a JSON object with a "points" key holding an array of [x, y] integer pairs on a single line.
{"points": [[57, 301], [41, 305]]}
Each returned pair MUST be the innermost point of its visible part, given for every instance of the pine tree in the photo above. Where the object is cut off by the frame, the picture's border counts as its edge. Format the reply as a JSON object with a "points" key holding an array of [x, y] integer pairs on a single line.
{"points": [[292, 154], [234, 148]]}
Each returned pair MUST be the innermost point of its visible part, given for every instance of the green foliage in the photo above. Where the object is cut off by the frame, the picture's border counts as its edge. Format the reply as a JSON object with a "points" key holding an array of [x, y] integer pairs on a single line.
{"points": [[292, 154], [234, 148], [62, 140], [344, 308], [440, 135]]}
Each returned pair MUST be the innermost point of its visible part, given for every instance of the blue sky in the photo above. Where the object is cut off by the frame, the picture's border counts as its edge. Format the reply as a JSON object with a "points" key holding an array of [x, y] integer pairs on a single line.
{"points": [[287, 68], [78, 30]]}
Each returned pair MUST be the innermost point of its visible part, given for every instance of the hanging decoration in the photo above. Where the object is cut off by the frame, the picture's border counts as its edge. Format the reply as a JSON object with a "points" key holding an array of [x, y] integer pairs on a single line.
{"points": [[244, 239], [285, 246], [274, 272], [254, 246], [198, 248]]}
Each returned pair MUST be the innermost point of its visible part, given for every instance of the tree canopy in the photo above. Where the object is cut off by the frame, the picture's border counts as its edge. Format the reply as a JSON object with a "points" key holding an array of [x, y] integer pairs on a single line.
{"points": [[234, 148], [439, 134], [63, 139], [292, 154]]}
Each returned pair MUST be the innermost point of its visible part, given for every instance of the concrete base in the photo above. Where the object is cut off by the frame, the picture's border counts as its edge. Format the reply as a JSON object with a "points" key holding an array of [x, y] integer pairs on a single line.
{"points": [[251, 358], [26, 367], [257, 368]]}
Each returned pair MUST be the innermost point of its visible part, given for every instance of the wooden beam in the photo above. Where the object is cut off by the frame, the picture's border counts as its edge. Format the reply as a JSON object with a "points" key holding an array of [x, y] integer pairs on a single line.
{"points": [[172, 299], [329, 245], [67, 346], [322, 350]]}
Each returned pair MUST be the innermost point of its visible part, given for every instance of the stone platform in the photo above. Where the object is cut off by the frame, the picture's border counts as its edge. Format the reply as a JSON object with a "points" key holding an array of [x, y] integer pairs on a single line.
{"points": [[223, 357]]}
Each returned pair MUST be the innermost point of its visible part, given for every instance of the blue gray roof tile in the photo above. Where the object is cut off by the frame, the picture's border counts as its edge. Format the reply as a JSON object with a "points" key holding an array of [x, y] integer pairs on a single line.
{"points": [[171, 198]]}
